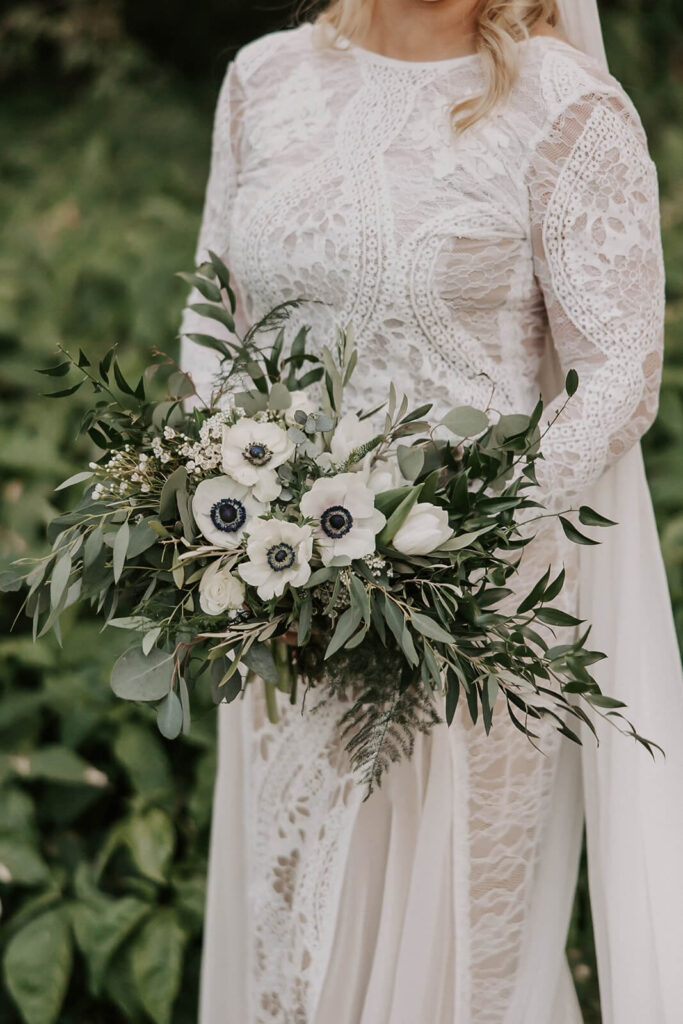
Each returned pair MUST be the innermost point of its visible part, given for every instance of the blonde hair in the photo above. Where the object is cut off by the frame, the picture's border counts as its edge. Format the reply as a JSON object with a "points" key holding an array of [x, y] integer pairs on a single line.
{"points": [[500, 25]]}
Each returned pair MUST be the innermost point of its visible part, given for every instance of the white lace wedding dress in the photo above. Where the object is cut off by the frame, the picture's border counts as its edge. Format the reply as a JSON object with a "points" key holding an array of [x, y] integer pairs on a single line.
{"points": [[445, 898]]}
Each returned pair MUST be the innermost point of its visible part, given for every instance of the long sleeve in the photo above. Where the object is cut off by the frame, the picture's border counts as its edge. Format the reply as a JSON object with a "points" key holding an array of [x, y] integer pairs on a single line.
{"points": [[596, 238], [214, 230]]}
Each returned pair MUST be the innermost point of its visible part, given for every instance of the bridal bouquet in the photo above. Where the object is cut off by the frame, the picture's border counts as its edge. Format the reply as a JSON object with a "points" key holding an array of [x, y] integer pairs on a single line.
{"points": [[269, 535]]}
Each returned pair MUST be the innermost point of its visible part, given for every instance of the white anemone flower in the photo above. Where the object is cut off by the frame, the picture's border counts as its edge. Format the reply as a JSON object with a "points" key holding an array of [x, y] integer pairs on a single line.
{"points": [[425, 529], [350, 433], [251, 454], [347, 521], [220, 590], [279, 553], [222, 510]]}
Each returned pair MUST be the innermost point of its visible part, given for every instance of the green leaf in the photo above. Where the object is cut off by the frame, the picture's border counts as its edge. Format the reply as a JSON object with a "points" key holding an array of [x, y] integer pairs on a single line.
{"points": [[572, 383], [304, 621], [177, 481], [346, 626], [280, 397], [142, 755], [66, 392], [61, 764], [218, 313], [60, 578], [205, 287], [589, 517], [151, 840], [535, 595], [573, 534], [170, 716], [157, 959], [555, 617], [463, 540], [60, 370], [223, 275], [77, 478], [601, 701], [398, 517], [37, 966], [410, 460], [101, 927], [259, 658], [428, 627], [120, 550], [21, 863], [452, 695], [139, 677], [466, 421]]}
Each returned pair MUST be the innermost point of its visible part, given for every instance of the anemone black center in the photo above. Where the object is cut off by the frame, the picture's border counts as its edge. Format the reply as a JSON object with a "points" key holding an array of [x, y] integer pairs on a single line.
{"points": [[258, 454], [228, 515], [281, 556], [336, 521]]}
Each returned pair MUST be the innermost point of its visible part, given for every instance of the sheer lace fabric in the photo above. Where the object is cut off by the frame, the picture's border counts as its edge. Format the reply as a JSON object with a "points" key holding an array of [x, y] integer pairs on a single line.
{"points": [[335, 176]]}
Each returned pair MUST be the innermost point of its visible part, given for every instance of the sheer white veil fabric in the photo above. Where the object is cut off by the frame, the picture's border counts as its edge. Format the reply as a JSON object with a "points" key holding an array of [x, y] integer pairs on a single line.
{"points": [[633, 806]]}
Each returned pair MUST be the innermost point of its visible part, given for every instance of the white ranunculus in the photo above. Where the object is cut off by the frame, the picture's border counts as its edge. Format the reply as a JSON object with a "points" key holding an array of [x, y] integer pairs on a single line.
{"points": [[222, 510], [301, 402], [346, 520], [384, 475], [219, 590], [425, 529], [251, 454], [350, 433], [279, 553]]}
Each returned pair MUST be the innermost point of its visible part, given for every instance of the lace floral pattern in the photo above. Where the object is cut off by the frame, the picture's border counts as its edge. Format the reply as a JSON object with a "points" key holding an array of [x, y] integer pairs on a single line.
{"points": [[334, 176]]}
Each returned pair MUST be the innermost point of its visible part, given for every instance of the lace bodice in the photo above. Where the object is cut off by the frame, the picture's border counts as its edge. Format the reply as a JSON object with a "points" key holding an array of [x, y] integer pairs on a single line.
{"points": [[335, 176]]}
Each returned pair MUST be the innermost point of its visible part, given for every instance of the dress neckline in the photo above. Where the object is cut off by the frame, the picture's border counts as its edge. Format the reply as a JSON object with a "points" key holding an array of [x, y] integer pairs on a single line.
{"points": [[372, 56]]}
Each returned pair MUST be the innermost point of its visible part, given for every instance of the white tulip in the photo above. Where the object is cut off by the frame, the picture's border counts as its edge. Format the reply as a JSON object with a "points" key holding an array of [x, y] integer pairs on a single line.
{"points": [[384, 475], [350, 433], [346, 520], [220, 590], [425, 529], [222, 510], [252, 452], [279, 553]]}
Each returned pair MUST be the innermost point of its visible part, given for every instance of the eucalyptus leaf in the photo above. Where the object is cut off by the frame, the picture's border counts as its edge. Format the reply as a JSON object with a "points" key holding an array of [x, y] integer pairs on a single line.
{"points": [[466, 421], [410, 461], [170, 716], [120, 550], [136, 676]]}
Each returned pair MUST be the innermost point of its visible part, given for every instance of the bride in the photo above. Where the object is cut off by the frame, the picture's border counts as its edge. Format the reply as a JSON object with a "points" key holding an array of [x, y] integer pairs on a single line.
{"points": [[466, 182]]}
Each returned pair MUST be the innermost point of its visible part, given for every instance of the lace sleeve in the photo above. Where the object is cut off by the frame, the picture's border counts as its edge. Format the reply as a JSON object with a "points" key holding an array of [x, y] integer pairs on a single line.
{"points": [[596, 237], [221, 186]]}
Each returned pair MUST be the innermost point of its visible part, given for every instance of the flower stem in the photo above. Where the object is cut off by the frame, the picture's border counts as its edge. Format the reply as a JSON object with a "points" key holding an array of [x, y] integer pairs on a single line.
{"points": [[283, 665], [271, 703]]}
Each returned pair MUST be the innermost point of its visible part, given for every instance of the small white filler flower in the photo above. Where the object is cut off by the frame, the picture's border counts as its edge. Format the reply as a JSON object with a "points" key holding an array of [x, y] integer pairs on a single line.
{"points": [[425, 529], [347, 521], [222, 510], [220, 590], [279, 553], [252, 452]]}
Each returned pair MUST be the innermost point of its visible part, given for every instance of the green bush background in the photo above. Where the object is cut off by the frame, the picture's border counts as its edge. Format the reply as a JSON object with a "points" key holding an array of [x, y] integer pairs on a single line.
{"points": [[104, 826]]}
